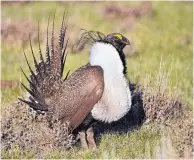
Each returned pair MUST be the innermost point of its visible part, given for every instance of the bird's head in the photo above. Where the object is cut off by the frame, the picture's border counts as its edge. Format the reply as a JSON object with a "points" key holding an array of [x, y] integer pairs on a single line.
{"points": [[117, 40]]}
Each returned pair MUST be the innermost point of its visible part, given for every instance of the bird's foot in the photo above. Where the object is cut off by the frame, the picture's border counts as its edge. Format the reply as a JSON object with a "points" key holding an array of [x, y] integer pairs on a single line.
{"points": [[83, 141], [87, 139], [90, 138]]}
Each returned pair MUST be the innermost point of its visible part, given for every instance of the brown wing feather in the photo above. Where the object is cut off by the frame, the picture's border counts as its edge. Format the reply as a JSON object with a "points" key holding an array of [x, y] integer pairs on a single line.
{"points": [[79, 93]]}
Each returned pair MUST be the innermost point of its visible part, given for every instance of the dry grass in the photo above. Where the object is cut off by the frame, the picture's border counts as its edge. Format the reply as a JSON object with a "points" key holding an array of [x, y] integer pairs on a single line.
{"points": [[30, 132], [182, 133], [164, 106], [160, 103]]}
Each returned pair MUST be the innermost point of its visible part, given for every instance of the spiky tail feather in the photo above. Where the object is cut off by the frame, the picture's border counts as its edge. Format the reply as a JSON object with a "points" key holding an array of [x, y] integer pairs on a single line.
{"points": [[47, 79]]}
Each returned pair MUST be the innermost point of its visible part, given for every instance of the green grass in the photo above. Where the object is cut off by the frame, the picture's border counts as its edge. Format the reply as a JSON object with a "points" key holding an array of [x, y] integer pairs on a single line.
{"points": [[156, 37], [121, 146]]}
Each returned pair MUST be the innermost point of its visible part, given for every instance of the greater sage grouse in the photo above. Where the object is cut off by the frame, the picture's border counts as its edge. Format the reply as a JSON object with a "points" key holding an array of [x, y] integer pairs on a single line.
{"points": [[99, 90]]}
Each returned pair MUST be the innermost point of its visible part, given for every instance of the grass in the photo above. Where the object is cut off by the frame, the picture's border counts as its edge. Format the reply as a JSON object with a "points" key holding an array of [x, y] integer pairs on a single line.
{"points": [[159, 36]]}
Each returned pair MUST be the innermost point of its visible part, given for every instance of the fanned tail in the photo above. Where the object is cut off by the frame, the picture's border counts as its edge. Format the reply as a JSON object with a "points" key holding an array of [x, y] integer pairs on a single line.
{"points": [[47, 78]]}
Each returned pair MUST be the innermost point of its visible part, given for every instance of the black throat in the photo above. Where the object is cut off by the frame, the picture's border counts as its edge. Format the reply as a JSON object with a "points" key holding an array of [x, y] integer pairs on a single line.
{"points": [[123, 59]]}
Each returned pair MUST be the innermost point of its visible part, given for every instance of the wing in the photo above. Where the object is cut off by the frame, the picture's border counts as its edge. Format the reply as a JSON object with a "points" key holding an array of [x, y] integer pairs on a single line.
{"points": [[80, 92]]}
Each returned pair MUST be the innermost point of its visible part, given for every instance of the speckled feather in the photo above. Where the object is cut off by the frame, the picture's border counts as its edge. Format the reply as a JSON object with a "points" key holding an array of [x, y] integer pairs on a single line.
{"points": [[84, 86]]}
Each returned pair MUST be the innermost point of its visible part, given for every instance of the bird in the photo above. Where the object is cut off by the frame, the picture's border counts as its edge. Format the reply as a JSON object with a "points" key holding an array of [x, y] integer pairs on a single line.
{"points": [[97, 91]]}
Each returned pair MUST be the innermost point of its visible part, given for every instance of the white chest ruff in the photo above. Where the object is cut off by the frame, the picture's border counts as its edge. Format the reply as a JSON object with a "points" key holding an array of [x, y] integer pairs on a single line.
{"points": [[116, 99]]}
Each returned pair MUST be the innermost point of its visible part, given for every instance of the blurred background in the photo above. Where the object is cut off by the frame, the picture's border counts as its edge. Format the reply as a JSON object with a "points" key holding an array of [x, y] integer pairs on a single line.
{"points": [[160, 35]]}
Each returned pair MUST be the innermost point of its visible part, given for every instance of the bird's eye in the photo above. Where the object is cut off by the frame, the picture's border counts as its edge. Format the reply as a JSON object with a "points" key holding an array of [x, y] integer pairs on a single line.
{"points": [[124, 39]]}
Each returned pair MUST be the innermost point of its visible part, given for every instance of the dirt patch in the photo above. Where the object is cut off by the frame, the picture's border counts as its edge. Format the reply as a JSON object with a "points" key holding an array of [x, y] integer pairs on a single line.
{"points": [[9, 84], [123, 12], [18, 31], [12, 3], [28, 131], [185, 40], [127, 15]]}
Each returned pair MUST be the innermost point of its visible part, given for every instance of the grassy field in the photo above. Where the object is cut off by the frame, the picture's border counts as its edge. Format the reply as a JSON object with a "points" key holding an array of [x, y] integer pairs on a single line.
{"points": [[162, 35]]}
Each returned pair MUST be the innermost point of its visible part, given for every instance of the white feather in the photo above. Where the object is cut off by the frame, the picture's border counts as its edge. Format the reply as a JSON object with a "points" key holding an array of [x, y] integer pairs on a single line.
{"points": [[116, 99]]}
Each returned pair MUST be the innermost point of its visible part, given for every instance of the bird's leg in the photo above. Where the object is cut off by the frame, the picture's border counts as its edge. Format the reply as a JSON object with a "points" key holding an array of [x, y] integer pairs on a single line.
{"points": [[82, 137], [90, 138]]}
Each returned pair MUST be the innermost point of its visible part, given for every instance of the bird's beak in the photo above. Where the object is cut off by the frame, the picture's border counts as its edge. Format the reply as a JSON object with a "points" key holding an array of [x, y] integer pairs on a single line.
{"points": [[126, 41]]}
